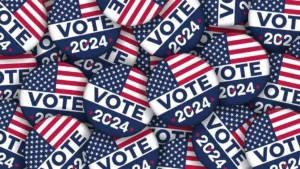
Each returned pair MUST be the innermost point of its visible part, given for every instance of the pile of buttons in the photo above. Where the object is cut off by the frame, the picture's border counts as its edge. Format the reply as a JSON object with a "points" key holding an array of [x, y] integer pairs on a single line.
{"points": [[149, 84]]}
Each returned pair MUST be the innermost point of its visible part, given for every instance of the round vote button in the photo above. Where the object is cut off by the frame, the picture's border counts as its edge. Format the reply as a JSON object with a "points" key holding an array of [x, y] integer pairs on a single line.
{"points": [[22, 25], [80, 29], [272, 141], [241, 64], [176, 29], [131, 12], [183, 90], [57, 142]]}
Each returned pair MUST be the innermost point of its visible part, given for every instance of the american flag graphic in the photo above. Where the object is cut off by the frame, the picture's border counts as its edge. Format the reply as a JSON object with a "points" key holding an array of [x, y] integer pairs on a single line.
{"points": [[177, 75], [23, 61], [31, 14], [88, 8], [12, 119], [233, 49], [61, 78], [129, 82], [138, 12], [237, 120], [239, 29], [127, 42], [282, 6], [57, 130], [181, 157]]}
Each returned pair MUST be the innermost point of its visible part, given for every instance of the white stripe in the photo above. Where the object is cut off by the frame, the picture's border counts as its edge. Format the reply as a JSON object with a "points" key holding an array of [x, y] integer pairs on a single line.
{"points": [[243, 46], [68, 69], [54, 127], [43, 126], [90, 9], [134, 94], [68, 87], [291, 61], [190, 153], [18, 129], [280, 113], [192, 71], [290, 80], [287, 130], [71, 78], [185, 65], [17, 61], [138, 76], [130, 12], [166, 7], [128, 35], [152, 12], [193, 163], [141, 12], [177, 59], [127, 45], [248, 54], [238, 37], [35, 14], [21, 120], [294, 7], [63, 131], [240, 134]]}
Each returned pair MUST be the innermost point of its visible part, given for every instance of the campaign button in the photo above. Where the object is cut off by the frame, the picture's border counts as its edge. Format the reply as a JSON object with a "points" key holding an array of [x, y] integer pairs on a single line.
{"points": [[131, 12], [176, 29], [294, 49], [282, 89], [275, 25], [138, 151], [223, 133], [165, 132], [213, 31], [125, 51], [115, 101], [22, 25], [272, 141], [241, 64], [225, 12], [13, 132], [80, 29], [51, 89], [57, 142], [179, 154], [183, 90], [12, 73]]}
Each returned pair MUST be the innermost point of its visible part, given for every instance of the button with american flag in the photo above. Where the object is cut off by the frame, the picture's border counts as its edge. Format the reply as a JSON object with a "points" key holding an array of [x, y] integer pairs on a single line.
{"points": [[51, 89], [176, 29], [212, 31], [13, 132], [80, 29], [125, 51], [135, 152], [131, 12], [22, 25], [12, 73], [165, 132], [241, 64], [272, 141], [115, 101], [275, 24], [58, 142], [183, 90], [225, 12], [218, 141], [282, 89], [179, 154]]}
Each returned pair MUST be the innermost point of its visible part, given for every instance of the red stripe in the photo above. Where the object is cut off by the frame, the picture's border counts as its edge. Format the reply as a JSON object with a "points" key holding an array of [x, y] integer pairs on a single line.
{"points": [[239, 42], [21, 125], [243, 130], [38, 125], [16, 133], [145, 13], [192, 158], [19, 65], [173, 57], [126, 49], [125, 11], [26, 24], [20, 115], [226, 30], [153, 63], [137, 71], [188, 68], [289, 134], [66, 73], [290, 75], [88, 5], [52, 136], [135, 89], [135, 99], [291, 66], [281, 117], [159, 8], [194, 76], [49, 8], [248, 59], [170, 9], [134, 138], [189, 166], [291, 11], [22, 56], [179, 62], [128, 40], [286, 125], [71, 83], [69, 92], [245, 50], [238, 139], [90, 14], [292, 2], [66, 135], [135, 12], [39, 11], [189, 128], [139, 81], [49, 126], [288, 84], [127, 29]]}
